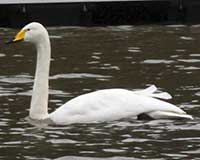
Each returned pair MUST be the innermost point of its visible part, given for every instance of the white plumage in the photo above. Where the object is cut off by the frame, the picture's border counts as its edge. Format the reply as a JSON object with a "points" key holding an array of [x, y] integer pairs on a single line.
{"points": [[98, 106]]}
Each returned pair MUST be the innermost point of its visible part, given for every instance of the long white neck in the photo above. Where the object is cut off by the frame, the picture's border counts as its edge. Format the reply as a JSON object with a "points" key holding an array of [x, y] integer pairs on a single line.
{"points": [[39, 101]]}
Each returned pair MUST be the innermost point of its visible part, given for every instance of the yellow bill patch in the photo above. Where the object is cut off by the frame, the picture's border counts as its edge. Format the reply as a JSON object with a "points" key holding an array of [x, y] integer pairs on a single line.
{"points": [[20, 36]]}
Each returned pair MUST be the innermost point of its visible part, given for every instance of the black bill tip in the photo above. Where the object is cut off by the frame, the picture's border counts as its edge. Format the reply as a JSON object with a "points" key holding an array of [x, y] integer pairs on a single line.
{"points": [[9, 41]]}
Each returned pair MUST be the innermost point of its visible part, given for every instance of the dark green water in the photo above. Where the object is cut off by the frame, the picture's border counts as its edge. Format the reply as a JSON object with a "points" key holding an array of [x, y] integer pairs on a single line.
{"points": [[88, 59]]}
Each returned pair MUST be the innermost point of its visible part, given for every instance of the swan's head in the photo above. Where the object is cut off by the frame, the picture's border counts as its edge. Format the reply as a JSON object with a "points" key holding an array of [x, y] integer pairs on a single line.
{"points": [[33, 32]]}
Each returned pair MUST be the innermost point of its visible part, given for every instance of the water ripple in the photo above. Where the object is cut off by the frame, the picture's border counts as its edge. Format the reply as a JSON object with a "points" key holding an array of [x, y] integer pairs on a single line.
{"points": [[78, 75], [157, 61], [16, 79]]}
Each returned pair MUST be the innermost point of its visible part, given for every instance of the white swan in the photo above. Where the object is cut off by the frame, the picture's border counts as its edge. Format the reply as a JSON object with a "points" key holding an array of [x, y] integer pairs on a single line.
{"points": [[98, 106]]}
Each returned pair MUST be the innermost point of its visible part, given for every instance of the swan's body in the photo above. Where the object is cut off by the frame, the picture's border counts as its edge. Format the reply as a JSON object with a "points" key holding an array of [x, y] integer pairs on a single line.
{"points": [[113, 104], [98, 106]]}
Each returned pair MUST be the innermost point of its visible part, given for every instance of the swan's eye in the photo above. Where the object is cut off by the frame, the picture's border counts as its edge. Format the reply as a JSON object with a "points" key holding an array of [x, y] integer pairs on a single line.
{"points": [[28, 29]]}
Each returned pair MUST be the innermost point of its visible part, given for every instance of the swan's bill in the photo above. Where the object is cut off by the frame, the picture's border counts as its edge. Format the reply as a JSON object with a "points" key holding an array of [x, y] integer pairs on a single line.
{"points": [[19, 37]]}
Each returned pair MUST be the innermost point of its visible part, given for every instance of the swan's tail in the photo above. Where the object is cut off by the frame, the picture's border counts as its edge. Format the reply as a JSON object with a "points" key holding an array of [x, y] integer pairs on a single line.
{"points": [[161, 114], [150, 92]]}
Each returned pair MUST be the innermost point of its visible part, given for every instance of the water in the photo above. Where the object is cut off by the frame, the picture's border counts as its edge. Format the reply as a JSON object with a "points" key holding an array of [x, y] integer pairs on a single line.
{"points": [[88, 59]]}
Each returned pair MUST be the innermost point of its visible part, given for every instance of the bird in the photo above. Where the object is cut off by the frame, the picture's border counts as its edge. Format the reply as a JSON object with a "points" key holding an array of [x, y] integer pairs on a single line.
{"points": [[94, 107]]}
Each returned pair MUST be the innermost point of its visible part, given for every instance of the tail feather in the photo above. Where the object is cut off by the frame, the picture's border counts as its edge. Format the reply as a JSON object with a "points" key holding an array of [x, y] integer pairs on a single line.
{"points": [[168, 115], [150, 92], [162, 95]]}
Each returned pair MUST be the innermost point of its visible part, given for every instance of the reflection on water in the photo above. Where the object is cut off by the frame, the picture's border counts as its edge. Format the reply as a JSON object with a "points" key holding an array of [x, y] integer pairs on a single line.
{"points": [[88, 59]]}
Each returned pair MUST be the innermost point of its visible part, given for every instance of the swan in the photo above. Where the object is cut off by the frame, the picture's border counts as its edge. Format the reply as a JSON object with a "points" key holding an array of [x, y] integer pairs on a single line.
{"points": [[98, 106]]}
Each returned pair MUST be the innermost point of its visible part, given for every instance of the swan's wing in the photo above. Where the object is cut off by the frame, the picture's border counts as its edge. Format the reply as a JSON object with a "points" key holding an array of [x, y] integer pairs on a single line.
{"points": [[150, 92], [108, 105]]}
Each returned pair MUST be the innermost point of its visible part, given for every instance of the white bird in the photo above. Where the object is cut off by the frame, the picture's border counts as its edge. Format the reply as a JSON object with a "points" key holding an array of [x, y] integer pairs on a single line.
{"points": [[97, 106]]}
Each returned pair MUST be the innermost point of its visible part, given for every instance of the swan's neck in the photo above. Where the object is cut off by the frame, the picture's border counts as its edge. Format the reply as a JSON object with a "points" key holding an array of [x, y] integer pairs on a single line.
{"points": [[39, 101]]}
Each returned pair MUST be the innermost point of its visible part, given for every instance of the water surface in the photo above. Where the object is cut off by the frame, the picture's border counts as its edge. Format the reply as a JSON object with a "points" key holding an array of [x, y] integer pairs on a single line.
{"points": [[88, 59]]}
